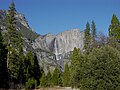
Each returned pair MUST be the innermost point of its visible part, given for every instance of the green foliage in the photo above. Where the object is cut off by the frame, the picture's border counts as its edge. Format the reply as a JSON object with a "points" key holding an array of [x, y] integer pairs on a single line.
{"points": [[93, 34], [28, 65], [56, 78], [31, 84], [102, 71], [87, 38], [66, 76], [98, 70], [3, 64], [114, 33], [29, 34], [74, 59], [13, 65], [21, 68], [114, 28], [77, 66], [37, 70], [31, 67], [43, 80], [12, 43], [49, 79], [31, 70]]}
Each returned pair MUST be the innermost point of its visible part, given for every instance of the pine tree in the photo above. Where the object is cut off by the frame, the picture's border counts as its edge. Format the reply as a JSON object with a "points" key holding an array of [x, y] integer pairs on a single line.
{"points": [[66, 76], [21, 59], [56, 79], [87, 38], [3, 64], [114, 28], [49, 79], [36, 69], [74, 59], [31, 67], [28, 65], [77, 60], [12, 38], [43, 81], [93, 31]]}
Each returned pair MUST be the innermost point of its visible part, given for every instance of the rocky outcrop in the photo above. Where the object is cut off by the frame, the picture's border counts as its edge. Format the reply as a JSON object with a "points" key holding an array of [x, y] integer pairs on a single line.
{"points": [[21, 18]]}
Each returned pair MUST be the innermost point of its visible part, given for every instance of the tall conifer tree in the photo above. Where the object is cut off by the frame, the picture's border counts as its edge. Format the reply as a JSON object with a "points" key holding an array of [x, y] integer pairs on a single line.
{"points": [[31, 67], [74, 67], [74, 59], [49, 79], [43, 82], [87, 38], [13, 42], [66, 76], [114, 28], [93, 33], [56, 77]]}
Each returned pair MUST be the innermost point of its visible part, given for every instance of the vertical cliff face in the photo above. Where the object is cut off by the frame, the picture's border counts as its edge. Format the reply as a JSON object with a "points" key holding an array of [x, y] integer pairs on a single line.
{"points": [[51, 50], [44, 42], [60, 44], [66, 41], [54, 50]]}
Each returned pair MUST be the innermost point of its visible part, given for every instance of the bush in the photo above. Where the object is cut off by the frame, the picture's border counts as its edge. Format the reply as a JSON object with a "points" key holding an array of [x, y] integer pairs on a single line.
{"points": [[31, 84]]}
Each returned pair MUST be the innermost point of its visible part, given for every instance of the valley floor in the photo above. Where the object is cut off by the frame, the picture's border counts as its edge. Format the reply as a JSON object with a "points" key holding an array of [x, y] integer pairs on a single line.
{"points": [[57, 88]]}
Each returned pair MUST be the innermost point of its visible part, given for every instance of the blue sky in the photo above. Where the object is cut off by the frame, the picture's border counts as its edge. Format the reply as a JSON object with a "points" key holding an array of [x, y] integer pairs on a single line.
{"points": [[54, 16]]}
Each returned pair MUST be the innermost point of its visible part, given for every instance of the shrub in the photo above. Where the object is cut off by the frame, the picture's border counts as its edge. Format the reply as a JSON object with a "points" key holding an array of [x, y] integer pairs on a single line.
{"points": [[31, 84]]}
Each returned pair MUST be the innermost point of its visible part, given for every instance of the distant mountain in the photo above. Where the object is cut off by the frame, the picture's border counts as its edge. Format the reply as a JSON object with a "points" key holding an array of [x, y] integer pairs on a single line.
{"points": [[51, 50]]}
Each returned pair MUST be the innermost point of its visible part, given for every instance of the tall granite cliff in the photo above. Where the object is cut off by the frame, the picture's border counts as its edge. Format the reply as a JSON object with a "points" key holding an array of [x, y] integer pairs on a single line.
{"points": [[61, 43], [51, 50]]}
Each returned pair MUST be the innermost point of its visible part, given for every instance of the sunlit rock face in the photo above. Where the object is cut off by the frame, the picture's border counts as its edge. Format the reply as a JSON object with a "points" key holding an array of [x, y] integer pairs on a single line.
{"points": [[44, 42], [21, 18], [51, 50], [61, 43]]}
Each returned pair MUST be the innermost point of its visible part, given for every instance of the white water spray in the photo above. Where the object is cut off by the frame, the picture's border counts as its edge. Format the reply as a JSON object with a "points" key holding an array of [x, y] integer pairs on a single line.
{"points": [[56, 50]]}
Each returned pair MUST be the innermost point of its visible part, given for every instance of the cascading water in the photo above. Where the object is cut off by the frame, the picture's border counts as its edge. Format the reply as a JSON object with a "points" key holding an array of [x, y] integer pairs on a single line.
{"points": [[56, 50]]}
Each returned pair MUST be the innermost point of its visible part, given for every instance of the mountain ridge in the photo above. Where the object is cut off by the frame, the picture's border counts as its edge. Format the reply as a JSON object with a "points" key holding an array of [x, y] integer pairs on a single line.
{"points": [[51, 50]]}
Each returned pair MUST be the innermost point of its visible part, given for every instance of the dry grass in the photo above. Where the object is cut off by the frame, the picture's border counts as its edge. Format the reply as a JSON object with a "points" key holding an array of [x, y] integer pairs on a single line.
{"points": [[57, 88]]}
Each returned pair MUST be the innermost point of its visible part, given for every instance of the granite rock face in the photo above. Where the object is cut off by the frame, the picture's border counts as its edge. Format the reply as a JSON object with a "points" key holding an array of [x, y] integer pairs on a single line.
{"points": [[60, 44], [44, 42], [51, 50], [21, 18], [55, 50], [66, 41]]}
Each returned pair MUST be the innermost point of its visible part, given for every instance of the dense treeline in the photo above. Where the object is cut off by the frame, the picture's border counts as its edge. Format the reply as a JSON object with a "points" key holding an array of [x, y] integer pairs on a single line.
{"points": [[98, 70], [96, 67]]}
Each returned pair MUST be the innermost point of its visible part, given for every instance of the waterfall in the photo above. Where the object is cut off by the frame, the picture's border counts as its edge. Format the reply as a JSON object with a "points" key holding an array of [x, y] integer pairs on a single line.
{"points": [[56, 50]]}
